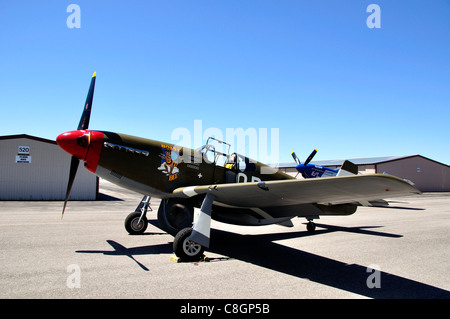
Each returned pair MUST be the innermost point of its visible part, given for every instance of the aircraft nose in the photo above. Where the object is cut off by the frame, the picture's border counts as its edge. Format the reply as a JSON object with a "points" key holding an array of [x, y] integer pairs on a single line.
{"points": [[85, 145], [75, 143]]}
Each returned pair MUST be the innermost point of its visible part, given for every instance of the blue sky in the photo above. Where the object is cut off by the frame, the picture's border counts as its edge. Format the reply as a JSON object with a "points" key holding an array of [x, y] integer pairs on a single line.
{"points": [[312, 69]]}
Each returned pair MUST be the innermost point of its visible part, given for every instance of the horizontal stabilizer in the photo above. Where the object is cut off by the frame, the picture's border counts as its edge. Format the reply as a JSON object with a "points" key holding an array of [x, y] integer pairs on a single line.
{"points": [[286, 223]]}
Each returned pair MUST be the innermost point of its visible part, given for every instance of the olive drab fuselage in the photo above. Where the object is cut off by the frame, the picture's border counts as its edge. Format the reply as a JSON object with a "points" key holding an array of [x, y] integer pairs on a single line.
{"points": [[157, 168]]}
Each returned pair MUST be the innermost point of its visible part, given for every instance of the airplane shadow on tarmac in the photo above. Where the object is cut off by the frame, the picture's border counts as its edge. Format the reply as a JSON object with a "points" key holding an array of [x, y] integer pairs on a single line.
{"points": [[120, 250], [261, 250]]}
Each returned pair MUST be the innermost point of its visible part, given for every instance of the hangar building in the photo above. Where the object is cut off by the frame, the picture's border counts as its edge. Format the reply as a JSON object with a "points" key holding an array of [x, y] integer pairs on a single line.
{"points": [[33, 168], [427, 174]]}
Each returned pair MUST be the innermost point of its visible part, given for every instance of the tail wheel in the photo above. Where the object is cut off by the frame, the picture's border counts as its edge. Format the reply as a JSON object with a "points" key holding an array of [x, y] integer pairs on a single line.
{"points": [[186, 249], [311, 227]]}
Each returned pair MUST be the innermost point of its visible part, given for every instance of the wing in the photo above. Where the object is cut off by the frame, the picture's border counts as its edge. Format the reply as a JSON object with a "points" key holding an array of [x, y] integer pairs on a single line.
{"points": [[324, 191]]}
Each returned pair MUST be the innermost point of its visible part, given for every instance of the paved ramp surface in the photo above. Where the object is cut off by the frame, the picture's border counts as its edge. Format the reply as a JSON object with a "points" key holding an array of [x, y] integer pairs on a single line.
{"points": [[402, 252]]}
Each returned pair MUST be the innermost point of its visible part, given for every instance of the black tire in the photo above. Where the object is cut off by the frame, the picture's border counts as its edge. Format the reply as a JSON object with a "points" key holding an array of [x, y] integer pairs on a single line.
{"points": [[173, 216], [132, 226], [311, 227], [186, 249]]}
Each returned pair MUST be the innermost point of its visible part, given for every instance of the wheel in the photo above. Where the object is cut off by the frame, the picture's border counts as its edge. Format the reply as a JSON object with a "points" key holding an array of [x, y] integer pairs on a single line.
{"points": [[173, 216], [186, 249], [311, 227], [133, 227]]}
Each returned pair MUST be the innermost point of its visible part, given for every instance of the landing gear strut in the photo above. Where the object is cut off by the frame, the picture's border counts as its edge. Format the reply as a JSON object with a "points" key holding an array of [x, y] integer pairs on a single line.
{"points": [[190, 243], [136, 223]]}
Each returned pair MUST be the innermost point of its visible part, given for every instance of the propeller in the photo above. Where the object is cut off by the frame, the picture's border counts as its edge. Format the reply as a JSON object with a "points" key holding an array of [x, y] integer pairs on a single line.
{"points": [[83, 125], [309, 159], [84, 120], [295, 158]]}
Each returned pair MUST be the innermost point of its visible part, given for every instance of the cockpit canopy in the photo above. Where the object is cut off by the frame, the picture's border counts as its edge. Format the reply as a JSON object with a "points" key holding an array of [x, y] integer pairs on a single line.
{"points": [[233, 161]]}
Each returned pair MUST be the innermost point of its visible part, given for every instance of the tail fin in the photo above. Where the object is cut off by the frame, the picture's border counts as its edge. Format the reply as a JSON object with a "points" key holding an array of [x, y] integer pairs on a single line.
{"points": [[348, 168]]}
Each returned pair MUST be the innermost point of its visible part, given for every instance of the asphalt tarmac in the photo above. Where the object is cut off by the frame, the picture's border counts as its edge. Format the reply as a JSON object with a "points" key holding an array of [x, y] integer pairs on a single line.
{"points": [[397, 252]]}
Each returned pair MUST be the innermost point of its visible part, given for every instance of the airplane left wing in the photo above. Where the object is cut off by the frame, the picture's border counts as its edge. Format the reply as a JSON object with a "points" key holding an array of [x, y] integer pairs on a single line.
{"points": [[323, 191]]}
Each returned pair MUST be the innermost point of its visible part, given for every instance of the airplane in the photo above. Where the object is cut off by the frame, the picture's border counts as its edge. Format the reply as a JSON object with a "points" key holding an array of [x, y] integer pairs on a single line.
{"points": [[229, 188], [313, 171]]}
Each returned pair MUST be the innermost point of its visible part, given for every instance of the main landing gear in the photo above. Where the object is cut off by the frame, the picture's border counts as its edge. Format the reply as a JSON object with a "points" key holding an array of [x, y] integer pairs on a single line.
{"points": [[186, 249], [175, 218], [136, 223], [172, 217], [190, 243]]}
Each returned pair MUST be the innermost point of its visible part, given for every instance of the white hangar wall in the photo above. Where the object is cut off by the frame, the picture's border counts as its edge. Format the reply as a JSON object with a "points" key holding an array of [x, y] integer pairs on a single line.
{"points": [[42, 173]]}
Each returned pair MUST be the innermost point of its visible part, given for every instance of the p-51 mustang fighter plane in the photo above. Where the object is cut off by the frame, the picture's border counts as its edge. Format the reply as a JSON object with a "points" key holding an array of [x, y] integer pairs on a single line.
{"points": [[230, 188]]}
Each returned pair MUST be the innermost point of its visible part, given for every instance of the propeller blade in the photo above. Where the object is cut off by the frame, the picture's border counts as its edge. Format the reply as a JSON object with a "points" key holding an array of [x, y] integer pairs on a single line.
{"points": [[310, 157], [84, 120], [295, 158], [73, 172], [83, 125]]}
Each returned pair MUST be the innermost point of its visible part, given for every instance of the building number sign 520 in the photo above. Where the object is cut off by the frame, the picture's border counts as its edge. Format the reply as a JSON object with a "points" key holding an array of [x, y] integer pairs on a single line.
{"points": [[23, 155], [24, 150]]}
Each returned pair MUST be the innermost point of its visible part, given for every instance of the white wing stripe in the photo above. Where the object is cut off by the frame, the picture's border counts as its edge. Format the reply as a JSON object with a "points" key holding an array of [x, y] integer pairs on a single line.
{"points": [[189, 191]]}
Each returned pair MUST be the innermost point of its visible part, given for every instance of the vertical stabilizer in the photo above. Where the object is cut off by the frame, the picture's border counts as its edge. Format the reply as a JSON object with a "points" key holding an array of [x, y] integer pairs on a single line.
{"points": [[348, 168]]}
